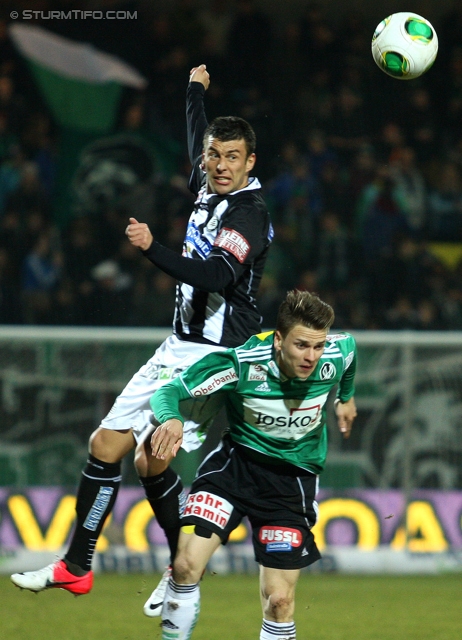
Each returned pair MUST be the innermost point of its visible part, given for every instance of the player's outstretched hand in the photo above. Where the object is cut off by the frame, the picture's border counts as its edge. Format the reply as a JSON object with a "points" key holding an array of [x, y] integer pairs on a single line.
{"points": [[139, 234], [200, 74], [346, 413], [166, 439]]}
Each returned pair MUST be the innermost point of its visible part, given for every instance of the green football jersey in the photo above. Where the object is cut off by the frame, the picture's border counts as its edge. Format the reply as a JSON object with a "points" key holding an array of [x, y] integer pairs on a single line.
{"points": [[280, 417]]}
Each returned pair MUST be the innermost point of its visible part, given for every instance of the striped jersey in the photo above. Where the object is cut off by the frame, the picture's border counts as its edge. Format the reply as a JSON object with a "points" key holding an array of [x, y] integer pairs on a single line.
{"points": [[282, 418], [235, 228]]}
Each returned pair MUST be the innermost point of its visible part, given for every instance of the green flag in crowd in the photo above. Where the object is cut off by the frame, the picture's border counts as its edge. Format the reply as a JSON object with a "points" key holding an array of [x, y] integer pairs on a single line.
{"points": [[81, 85]]}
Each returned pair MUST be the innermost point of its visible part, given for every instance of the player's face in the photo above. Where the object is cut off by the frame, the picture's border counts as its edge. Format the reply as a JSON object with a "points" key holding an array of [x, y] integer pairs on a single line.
{"points": [[298, 353], [227, 165]]}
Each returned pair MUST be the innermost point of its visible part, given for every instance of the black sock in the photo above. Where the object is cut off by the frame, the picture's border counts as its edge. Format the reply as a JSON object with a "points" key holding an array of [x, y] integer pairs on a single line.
{"points": [[95, 498], [164, 495]]}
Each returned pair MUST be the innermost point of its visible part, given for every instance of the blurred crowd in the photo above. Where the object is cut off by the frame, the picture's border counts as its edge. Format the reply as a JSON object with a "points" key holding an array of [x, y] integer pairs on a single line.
{"points": [[362, 172]]}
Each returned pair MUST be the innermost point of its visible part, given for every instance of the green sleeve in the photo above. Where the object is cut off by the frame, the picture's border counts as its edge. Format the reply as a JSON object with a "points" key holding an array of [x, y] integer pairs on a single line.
{"points": [[218, 371], [166, 400], [346, 387]]}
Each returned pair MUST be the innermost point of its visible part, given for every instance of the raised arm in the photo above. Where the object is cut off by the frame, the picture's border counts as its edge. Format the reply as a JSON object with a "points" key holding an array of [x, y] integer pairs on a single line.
{"points": [[196, 119]]}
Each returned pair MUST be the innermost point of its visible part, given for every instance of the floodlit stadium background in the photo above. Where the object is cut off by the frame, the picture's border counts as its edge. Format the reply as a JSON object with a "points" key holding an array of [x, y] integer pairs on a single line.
{"points": [[342, 150]]}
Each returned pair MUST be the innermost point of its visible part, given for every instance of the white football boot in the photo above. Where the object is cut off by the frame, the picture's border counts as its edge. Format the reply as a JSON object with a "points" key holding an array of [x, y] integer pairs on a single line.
{"points": [[54, 576], [153, 606]]}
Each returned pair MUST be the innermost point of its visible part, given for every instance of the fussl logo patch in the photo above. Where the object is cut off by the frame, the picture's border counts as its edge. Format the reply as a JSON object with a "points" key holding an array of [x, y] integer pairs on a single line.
{"points": [[280, 538]]}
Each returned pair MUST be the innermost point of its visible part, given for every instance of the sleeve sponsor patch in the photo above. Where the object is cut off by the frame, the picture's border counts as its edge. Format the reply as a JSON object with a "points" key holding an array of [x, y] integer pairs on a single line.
{"points": [[233, 242], [215, 382], [349, 359]]}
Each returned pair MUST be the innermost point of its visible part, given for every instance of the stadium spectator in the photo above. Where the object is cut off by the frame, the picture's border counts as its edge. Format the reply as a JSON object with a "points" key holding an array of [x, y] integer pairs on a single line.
{"points": [[401, 315], [411, 186], [82, 253], [318, 39], [250, 39], [158, 286], [12, 104], [391, 137], [350, 127], [7, 138], [445, 205], [29, 195], [10, 174], [381, 222], [419, 120], [110, 297], [216, 19], [10, 306], [332, 248], [40, 275]]}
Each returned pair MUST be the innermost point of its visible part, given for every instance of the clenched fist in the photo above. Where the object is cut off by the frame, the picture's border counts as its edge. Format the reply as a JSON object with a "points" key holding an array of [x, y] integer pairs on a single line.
{"points": [[139, 234]]}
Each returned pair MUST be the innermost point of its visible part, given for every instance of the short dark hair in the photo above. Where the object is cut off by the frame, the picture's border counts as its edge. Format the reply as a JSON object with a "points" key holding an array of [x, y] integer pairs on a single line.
{"points": [[303, 307], [227, 128]]}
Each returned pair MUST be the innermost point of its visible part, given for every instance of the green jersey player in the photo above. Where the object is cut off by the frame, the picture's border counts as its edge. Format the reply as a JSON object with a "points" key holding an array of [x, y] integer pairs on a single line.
{"points": [[275, 389]]}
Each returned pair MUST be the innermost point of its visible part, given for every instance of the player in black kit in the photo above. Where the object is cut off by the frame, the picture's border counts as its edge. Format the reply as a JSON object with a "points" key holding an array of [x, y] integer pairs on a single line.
{"points": [[218, 273]]}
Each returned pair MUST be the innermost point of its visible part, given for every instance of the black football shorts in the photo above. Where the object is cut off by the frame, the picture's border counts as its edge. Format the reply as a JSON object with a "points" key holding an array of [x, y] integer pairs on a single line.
{"points": [[279, 501]]}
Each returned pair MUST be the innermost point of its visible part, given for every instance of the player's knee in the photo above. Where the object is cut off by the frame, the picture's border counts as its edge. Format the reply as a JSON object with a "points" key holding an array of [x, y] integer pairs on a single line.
{"points": [[110, 446], [156, 467], [280, 607], [141, 460], [185, 569]]}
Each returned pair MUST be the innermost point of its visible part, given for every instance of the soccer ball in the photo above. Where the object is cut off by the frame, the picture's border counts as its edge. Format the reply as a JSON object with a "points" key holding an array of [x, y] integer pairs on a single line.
{"points": [[404, 45]]}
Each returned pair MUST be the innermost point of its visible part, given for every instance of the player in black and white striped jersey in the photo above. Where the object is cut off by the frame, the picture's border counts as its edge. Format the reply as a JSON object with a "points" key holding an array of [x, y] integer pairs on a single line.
{"points": [[225, 247]]}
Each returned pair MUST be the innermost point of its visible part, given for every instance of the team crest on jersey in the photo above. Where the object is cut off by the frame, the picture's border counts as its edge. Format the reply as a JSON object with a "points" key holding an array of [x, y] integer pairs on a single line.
{"points": [[212, 223], [166, 373], [257, 372], [328, 371], [234, 242]]}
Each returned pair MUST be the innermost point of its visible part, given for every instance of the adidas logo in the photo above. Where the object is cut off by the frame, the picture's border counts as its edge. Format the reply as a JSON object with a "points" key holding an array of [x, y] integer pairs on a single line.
{"points": [[166, 624], [264, 386], [304, 552]]}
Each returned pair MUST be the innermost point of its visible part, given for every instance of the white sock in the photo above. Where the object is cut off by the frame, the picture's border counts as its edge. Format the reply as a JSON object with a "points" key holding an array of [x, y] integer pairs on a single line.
{"points": [[180, 610], [277, 630]]}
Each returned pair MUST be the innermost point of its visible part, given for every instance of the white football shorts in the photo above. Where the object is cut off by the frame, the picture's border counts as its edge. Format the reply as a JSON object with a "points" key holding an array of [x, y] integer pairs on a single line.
{"points": [[131, 409]]}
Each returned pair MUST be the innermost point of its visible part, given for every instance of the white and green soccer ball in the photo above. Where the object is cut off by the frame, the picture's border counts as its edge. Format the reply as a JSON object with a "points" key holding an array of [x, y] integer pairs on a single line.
{"points": [[404, 45]]}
